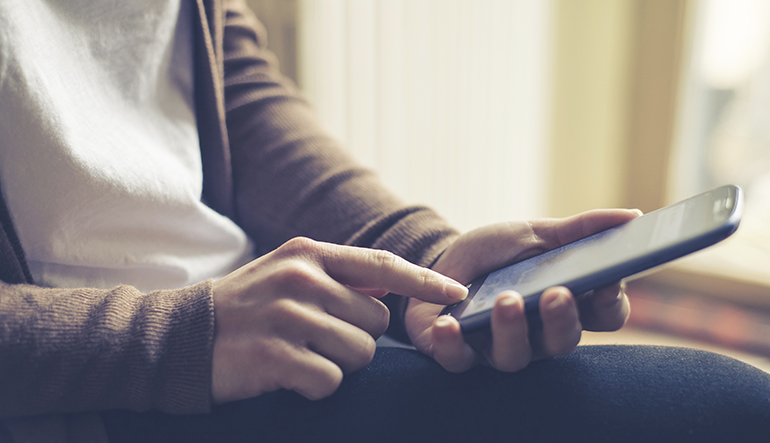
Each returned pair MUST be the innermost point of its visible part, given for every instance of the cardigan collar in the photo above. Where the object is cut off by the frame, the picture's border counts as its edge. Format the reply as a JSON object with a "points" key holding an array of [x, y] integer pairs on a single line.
{"points": [[210, 107]]}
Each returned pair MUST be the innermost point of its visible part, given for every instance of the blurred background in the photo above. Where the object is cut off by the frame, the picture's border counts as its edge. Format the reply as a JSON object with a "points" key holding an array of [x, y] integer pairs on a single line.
{"points": [[492, 110]]}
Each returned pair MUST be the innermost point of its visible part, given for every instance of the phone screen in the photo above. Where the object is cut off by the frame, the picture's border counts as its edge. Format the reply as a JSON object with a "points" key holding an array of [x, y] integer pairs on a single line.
{"points": [[642, 237]]}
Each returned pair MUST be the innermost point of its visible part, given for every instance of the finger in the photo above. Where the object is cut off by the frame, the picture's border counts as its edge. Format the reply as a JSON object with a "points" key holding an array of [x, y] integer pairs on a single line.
{"points": [[356, 308], [309, 374], [557, 232], [510, 344], [448, 347], [378, 269], [375, 293], [561, 324], [604, 309], [345, 345]]}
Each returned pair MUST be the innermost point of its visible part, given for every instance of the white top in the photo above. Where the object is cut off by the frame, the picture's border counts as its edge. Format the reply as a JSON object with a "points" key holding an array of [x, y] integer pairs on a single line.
{"points": [[99, 155]]}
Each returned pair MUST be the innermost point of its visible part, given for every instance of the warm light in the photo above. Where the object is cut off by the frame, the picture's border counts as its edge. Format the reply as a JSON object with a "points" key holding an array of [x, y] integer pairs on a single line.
{"points": [[735, 40], [445, 99]]}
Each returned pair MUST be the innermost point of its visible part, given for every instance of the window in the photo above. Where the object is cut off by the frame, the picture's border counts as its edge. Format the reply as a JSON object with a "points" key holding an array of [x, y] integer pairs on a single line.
{"points": [[724, 137], [447, 100]]}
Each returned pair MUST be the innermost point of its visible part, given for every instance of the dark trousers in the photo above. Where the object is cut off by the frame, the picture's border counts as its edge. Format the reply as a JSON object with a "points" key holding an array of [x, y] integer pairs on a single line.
{"points": [[596, 394]]}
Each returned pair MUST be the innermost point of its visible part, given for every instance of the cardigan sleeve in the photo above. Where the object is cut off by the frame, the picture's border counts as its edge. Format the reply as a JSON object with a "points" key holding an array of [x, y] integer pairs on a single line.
{"points": [[291, 178], [72, 350]]}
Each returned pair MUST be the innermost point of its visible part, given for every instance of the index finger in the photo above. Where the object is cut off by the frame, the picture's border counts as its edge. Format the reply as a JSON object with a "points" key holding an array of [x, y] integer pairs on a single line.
{"points": [[375, 269]]}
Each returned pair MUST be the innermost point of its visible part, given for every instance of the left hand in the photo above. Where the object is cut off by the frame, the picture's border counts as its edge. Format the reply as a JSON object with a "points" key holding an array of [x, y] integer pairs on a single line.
{"points": [[564, 316]]}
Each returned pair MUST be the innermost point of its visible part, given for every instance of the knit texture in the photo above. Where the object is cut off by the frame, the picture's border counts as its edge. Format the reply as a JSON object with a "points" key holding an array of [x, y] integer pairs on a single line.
{"points": [[65, 353]]}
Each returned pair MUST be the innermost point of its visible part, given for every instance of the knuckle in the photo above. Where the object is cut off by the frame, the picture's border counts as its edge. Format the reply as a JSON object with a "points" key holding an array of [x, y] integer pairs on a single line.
{"points": [[386, 260], [300, 246], [297, 270], [428, 279], [530, 238], [298, 275]]}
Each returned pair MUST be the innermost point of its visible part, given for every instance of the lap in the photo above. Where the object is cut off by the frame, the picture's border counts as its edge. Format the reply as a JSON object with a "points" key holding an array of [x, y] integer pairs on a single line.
{"points": [[597, 393]]}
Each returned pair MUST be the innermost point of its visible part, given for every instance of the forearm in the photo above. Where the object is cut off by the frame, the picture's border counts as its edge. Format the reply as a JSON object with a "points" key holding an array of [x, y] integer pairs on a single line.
{"points": [[292, 179], [70, 350]]}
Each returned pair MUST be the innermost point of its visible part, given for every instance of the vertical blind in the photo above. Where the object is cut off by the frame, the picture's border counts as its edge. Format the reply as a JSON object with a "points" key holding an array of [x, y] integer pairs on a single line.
{"points": [[446, 99]]}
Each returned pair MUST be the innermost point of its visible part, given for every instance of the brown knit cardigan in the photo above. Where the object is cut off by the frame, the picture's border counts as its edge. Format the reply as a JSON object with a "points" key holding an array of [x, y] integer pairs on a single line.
{"points": [[66, 354]]}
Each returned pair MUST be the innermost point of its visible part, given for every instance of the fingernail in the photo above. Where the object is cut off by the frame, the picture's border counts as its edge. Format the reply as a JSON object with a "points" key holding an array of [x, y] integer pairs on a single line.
{"points": [[557, 302], [455, 290], [508, 300], [638, 211], [443, 322], [509, 306]]}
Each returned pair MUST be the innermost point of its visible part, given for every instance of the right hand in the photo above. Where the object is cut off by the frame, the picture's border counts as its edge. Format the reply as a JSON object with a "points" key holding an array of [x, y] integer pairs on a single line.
{"points": [[301, 316]]}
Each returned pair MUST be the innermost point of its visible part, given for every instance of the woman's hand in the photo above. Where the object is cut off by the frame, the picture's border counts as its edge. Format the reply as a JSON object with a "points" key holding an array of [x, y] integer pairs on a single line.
{"points": [[304, 314], [564, 316]]}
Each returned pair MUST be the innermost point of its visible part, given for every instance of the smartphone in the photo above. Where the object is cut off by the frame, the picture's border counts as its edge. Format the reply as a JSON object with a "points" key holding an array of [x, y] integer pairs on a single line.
{"points": [[605, 257]]}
